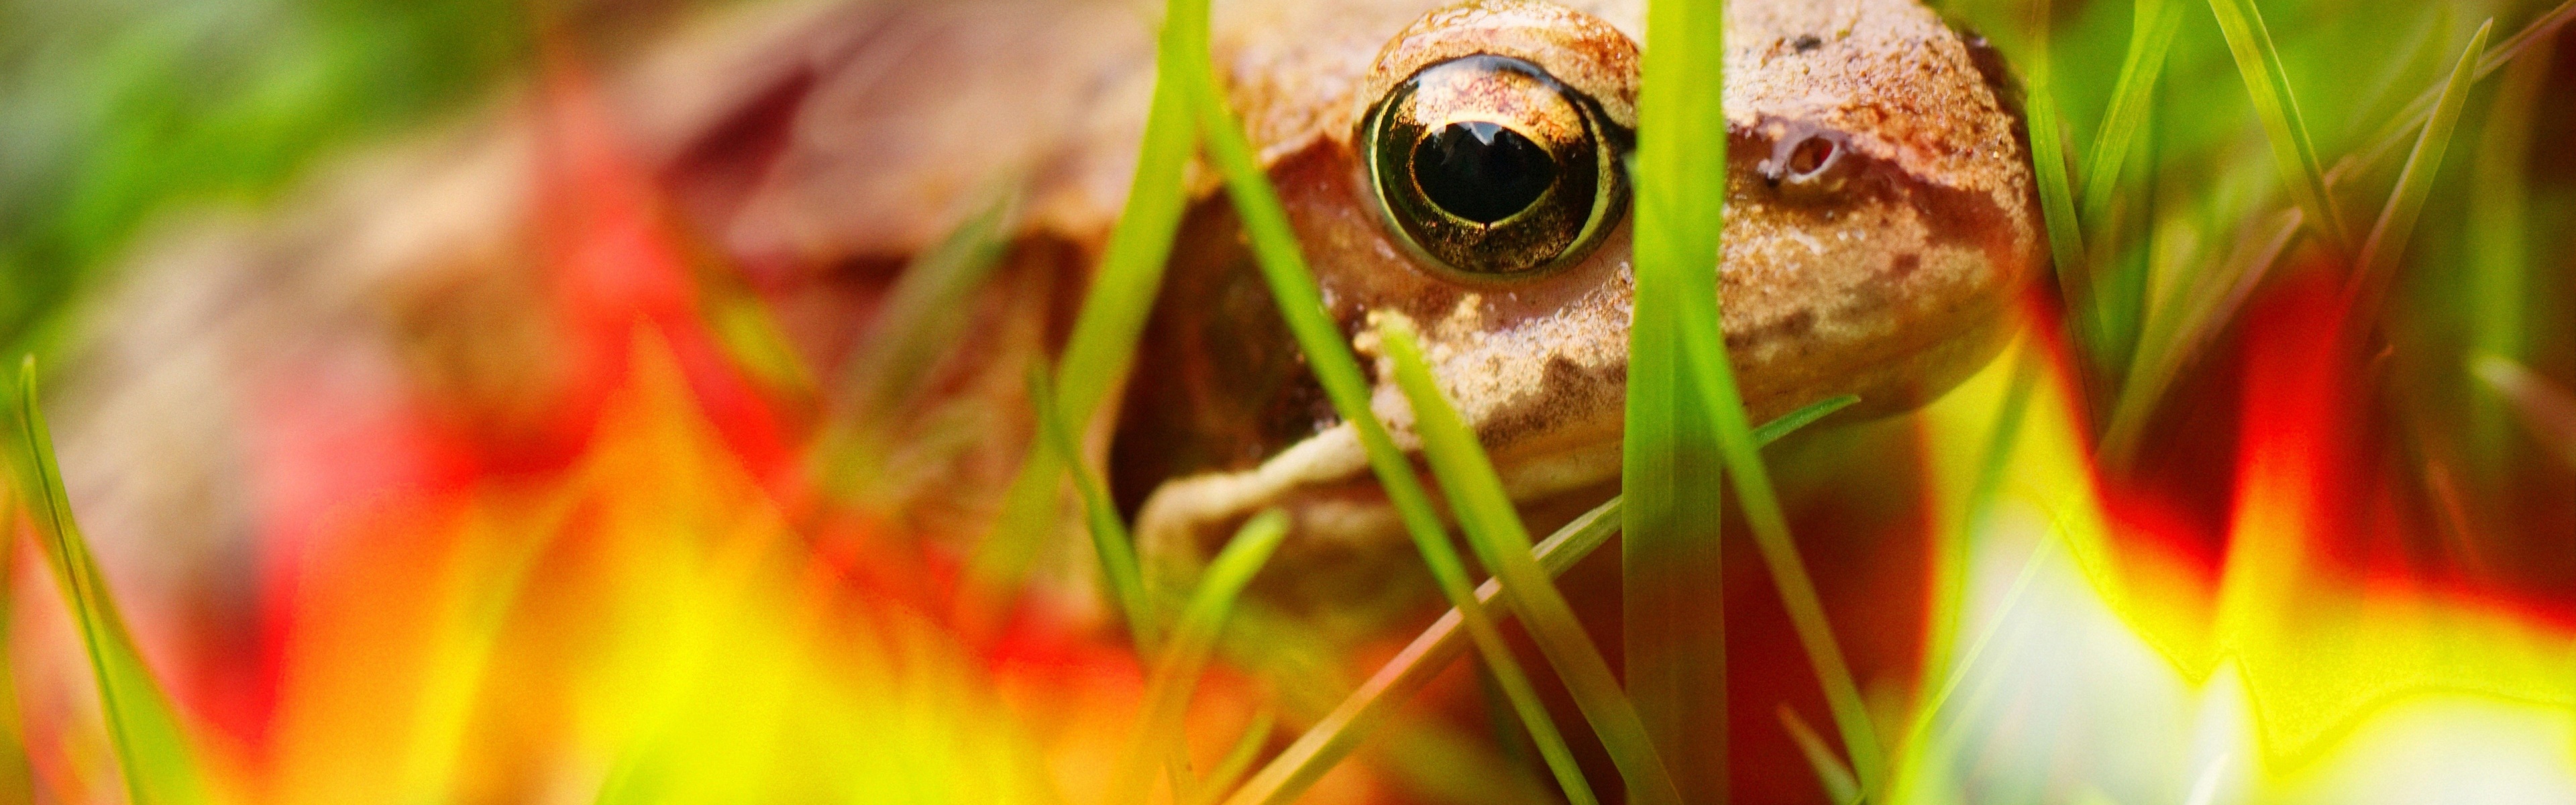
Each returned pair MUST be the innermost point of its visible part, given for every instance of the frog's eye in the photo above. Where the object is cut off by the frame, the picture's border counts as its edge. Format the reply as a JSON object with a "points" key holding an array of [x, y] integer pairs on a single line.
{"points": [[1491, 167]]}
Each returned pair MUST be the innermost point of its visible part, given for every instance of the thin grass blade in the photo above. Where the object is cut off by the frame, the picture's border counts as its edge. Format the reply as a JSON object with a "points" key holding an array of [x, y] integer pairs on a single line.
{"points": [[1494, 529], [1109, 538], [152, 745], [1178, 668], [2500, 242], [2195, 326], [1334, 736], [2547, 409], [1673, 601], [2388, 238], [17, 779], [1835, 777], [2541, 33], [1951, 562], [1103, 345], [2268, 84], [2151, 37], [1292, 286], [2056, 191], [1238, 759], [1705, 348]]}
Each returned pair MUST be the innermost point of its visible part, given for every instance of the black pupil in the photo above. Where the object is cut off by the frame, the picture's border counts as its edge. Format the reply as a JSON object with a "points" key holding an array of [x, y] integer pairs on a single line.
{"points": [[1481, 171]]}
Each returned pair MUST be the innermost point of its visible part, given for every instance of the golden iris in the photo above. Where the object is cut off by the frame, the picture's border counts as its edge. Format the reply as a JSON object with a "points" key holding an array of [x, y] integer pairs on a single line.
{"points": [[1489, 166]]}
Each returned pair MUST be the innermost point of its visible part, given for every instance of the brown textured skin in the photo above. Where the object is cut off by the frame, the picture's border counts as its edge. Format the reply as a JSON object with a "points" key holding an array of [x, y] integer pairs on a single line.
{"points": [[1889, 288], [818, 145]]}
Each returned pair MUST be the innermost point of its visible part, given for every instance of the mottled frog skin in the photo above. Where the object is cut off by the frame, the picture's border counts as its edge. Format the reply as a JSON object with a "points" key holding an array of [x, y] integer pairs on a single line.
{"points": [[1879, 218], [1879, 215]]}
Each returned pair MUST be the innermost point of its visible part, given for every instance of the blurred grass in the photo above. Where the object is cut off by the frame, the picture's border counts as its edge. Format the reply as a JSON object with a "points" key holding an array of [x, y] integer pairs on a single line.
{"points": [[1179, 664], [153, 754], [121, 109], [1673, 628], [147, 123], [2386, 243]]}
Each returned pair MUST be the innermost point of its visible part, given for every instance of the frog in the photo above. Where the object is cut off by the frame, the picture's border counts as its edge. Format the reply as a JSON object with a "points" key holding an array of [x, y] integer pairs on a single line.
{"points": [[1880, 217], [1469, 182]]}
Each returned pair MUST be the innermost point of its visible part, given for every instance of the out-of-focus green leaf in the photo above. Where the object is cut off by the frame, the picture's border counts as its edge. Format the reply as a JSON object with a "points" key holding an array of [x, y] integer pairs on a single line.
{"points": [[152, 745], [2387, 241], [2268, 83], [1178, 668], [1103, 344], [1835, 777]]}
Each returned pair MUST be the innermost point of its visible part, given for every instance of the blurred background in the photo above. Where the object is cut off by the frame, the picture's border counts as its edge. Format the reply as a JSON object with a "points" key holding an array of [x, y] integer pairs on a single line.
{"points": [[455, 416]]}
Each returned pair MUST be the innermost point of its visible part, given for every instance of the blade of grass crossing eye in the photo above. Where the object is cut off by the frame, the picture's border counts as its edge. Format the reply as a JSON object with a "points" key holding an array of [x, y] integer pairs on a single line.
{"points": [[2268, 84], [1673, 601], [1292, 286], [1103, 344], [1334, 736], [2500, 244], [1109, 538], [2387, 241], [1830, 771], [151, 744], [2151, 36], [1180, 664], [1494, 529]]}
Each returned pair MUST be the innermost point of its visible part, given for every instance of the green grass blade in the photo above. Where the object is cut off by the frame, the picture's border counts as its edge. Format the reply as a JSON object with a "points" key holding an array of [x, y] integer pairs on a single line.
{"points": [[1835, 777], [2387, 242], [2268, 84], [2542, 33], [1238, 759], [17, 779], [1109, 538], [894, 358], [1103, 344], [1502, 542], [2151, 37], [1337, 733], [1705, 347], [2548, 410], [1951, 563], [2195, 326], [1673, 601], [1178, 668], [2500, 243], [150, 741], [1292, 286], [1676, 260], [2056, 191]]}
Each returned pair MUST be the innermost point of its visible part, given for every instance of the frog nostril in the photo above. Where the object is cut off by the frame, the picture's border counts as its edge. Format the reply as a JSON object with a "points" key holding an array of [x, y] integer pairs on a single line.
{"points": [[1482, 171], [1808, 162], [1812, 155]]}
